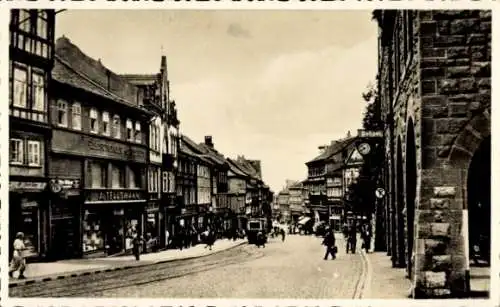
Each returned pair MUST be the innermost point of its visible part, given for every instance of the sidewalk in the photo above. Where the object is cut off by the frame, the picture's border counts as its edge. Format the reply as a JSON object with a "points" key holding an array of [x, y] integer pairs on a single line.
{"points": [[45, 271], [384, 281]]}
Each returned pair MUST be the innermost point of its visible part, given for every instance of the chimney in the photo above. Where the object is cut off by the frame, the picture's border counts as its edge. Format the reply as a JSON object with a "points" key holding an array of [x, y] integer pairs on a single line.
{"points": [[108, 74], [208, 141], [163, 65], [349, 133]]}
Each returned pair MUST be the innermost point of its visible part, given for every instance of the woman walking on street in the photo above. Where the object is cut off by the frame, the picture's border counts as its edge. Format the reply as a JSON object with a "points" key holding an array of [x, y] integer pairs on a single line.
{"points": [[329, 242]]}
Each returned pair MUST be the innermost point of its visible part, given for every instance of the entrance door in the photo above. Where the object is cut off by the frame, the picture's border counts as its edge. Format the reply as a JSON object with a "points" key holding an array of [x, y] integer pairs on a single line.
{"points": [[64, 238], [479, 204]]}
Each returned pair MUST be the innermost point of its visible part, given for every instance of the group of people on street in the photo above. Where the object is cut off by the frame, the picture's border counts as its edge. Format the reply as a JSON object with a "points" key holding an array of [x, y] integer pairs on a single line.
{"points": [[350, 234]]}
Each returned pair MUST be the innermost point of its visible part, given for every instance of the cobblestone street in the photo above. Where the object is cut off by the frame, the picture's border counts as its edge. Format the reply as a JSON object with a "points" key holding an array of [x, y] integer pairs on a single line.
{"points": [[291, 269]]}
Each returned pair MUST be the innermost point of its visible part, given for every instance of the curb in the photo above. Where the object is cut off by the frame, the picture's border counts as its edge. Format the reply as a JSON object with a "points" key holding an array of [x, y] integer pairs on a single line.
{"points": [[65, 275]]}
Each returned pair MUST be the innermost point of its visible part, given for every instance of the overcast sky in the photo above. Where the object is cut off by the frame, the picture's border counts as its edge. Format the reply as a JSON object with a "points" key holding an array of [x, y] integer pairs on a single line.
{"points": [[269, 85]]}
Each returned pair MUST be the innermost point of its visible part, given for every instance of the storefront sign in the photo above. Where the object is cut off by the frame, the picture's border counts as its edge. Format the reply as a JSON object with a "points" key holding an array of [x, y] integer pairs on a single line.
{"points": [[26, 186], [152, 207], [114, 196], [83, 145]]}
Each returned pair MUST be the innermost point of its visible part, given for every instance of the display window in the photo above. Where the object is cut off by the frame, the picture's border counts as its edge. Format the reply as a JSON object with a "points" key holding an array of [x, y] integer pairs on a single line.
{"points": [[93, 234], [30, 226]]}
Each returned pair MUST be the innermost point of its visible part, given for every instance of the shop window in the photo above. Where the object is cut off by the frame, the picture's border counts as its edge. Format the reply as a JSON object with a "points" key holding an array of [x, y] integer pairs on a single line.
{"points": [[105, 123], [137, 132], [130, 130], [116, 127], [76, 116], [62, 113], [134, 177], [94, 121], [20, 79], [29, 225], [38, 91], [16, 151], [99, 175], [93, 236], [33, 153], [117, 177]]}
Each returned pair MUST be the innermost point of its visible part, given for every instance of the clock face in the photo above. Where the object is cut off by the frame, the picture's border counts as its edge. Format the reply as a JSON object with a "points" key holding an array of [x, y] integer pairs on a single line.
{"points": [[364, 148]]}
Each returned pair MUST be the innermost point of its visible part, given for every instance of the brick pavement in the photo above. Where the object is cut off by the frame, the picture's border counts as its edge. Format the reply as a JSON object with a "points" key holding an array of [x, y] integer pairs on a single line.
{"points": [[44, 271]]}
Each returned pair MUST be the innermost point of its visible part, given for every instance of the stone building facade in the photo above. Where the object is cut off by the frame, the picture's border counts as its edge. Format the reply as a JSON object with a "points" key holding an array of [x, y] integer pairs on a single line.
{"points": [[435, 98]]}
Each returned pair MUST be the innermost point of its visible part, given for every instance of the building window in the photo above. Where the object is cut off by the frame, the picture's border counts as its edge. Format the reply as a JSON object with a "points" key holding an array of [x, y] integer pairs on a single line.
{"points": [[130, 135], [134, 177], [62, 113], [164, 185], [41, 24], [33, 153], [117, 177], [99, 175], [38, 91], [20, 88], [25, 20], [137, 132], [76, 116], [94, 123], [116, 127], [16, 151], [105, 123]]}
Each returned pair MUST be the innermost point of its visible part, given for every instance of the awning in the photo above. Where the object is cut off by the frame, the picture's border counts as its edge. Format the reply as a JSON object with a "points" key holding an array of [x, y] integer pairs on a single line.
{"points": [[304, 220]]}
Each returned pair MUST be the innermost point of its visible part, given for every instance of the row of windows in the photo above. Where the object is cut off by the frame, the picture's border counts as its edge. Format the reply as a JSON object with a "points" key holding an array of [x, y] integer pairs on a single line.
{"points": [[334, 181], [167, 181], [104, 175], [28, 91], [317, 171], [25, 152], [154, 137], [203, 171], [334, 192], [99, 122], [31, 23]]}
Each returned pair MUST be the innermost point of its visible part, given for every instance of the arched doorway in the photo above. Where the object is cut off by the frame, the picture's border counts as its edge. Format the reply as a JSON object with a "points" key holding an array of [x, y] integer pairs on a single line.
{"points": [[400, 206], [411, 191], [479, 204]]}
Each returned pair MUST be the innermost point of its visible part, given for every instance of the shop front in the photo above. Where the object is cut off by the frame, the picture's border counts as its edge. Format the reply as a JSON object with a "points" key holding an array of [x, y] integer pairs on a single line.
{"points": [[111, 219], [152, 226], [28, 213]]}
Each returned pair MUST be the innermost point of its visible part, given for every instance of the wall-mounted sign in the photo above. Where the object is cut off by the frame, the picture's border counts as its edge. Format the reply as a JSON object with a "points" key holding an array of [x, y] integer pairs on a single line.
{"points": [[27, 186], [83, 145], [372, 134], [114, 196], [380, 193], [67, 183]]}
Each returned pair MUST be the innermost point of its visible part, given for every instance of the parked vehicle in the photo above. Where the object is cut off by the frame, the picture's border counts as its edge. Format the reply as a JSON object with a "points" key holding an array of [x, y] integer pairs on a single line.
{"points": [[254, 226]]}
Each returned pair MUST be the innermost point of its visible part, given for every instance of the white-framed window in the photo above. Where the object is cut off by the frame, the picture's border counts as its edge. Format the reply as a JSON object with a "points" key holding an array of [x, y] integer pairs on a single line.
{"points": [[137, 132], [99, 175], [16, 151], [34, 153], [134, 177], [165, 186], [76, 116], [38, 91], [130, 130], [25, 20], [41, 24], [20, 79], [62, 113], [105, 123], [115, 128], [94, 121], [117, 176]]}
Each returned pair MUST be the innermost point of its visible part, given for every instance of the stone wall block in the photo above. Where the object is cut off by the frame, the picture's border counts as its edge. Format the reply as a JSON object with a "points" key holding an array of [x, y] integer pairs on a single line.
{"points": [[451, 86], [449, 192], [453, 125], [433, 72], [479, 53], [434, 247], [484, 83], [460, 97], [443, 151], [458, 71], [485, 14], [464, 26], [459, 109], [433, 52], [485, 26], [458, 62], [440, 230], [458, 52], [438, 216], [424, 230], [435, 279], [428, 28], [474, 39], [481, 69], [449, 40], [441, 263]]}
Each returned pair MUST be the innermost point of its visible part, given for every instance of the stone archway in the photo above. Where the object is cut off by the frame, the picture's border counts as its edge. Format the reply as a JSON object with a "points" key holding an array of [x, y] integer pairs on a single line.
{"points": [[400, 205], [411, 191], [479, 203]]}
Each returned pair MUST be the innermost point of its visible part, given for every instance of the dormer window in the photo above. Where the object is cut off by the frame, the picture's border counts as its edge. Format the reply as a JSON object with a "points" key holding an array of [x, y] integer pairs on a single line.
{"points": [[137, 132], [130, 130]]}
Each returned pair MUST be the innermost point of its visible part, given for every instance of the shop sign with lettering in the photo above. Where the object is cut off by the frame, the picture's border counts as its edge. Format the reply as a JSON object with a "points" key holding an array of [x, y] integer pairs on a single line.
{"points": [[114, 196], [26, 186], [78, 144]]}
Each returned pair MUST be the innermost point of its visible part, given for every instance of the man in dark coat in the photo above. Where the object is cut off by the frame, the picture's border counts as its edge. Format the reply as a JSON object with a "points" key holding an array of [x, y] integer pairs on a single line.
{"points": [[329, 243]]}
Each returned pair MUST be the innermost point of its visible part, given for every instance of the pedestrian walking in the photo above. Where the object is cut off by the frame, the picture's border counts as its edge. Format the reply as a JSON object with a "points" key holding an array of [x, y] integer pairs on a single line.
{"points": [[18, 262], [137, 243], [329, 243], [167, 238], [366, 237], [282, 235], [261, 241], [351, 240]]}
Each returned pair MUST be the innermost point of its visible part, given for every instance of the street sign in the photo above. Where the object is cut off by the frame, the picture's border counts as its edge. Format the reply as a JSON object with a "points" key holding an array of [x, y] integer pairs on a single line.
{"points": [[380, 192]]}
